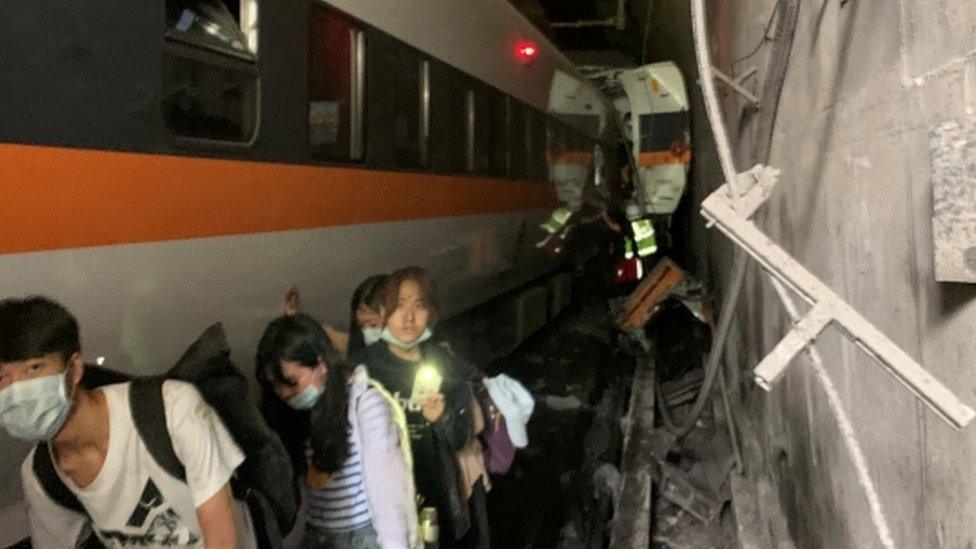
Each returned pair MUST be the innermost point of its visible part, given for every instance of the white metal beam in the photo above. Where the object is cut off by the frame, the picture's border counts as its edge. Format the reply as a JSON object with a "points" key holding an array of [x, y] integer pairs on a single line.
{"points": [[731, 214]]}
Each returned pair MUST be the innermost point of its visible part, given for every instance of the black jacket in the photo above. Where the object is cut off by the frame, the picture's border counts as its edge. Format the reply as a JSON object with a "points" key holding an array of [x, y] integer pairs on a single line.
{"points": [[434, 445]]}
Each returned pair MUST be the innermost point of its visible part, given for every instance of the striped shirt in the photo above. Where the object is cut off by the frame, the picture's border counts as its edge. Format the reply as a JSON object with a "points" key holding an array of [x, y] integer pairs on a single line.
{"points": [[342, 505]]}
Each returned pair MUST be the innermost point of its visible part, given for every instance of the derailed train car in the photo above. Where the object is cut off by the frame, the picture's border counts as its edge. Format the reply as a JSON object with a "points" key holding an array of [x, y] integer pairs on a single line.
{"points": [[168, 164]]}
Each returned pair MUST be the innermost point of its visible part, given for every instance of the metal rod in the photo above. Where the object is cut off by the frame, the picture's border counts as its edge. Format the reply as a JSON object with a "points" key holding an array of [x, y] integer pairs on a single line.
{"points": [[745, 76], [803, 334], [699, 24], [735, 86]]}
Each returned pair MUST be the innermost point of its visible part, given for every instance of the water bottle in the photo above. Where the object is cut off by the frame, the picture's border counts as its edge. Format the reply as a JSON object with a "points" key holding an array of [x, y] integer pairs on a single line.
{"points": [[429, 530]]}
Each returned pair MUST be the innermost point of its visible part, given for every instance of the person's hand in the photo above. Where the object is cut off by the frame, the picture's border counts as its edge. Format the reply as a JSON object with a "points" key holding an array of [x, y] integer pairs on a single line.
{"points": [[293, 303], [432, 407]]}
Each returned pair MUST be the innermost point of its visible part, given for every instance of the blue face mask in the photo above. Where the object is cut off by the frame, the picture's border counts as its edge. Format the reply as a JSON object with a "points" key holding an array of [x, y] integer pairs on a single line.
{"points": [[392, 339], [35, 409], [372, 335], [306, 399]]}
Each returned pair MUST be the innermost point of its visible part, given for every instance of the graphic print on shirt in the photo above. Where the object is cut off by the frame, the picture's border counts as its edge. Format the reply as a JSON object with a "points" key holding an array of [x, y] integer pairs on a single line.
{"points": [[415, 418], [165, 528]]}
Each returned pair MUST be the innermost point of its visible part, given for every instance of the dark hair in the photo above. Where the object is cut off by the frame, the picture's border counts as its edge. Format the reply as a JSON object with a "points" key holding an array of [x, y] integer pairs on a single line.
{"points": [[427, 292], [301, 339], [34, 327], [370, 293]]}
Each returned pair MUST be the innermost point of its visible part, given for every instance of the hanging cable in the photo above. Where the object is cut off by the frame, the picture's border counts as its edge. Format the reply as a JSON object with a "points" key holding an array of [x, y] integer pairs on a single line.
{"points": [[647, 30], [765, 36]]}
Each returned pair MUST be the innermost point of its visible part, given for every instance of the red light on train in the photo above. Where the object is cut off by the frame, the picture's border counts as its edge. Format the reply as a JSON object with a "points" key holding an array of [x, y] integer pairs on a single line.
{"points": [[526, 51]]}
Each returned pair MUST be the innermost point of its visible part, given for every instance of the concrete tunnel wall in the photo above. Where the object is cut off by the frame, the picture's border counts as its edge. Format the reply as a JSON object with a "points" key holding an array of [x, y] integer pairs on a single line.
{"points": [[867, 81]]}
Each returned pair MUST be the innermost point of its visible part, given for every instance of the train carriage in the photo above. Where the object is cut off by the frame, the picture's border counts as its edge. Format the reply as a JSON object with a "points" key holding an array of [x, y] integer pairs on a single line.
{"points": [[165, 165]]}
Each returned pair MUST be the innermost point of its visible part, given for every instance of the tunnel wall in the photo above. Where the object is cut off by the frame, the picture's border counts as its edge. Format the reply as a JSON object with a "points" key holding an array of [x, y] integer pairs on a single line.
{"points": [[867, 82]]}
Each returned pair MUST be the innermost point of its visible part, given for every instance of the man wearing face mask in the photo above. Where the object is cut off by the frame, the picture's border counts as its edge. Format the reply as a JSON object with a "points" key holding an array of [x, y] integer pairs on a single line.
{"points": [[91, 439]]}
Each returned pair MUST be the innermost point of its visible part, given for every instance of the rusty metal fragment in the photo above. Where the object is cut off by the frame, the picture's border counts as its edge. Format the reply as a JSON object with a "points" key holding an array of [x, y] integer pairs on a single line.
{"points": [[654, 289]]}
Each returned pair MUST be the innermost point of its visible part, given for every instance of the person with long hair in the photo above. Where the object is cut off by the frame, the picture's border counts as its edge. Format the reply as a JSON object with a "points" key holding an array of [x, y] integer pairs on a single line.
{"points": [[345, 435], [366, 314], [442, 422]]}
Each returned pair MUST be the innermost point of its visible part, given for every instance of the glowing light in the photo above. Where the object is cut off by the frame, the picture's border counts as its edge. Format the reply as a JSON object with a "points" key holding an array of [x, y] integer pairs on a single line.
{"points": [[427, 373], [526, 51]]}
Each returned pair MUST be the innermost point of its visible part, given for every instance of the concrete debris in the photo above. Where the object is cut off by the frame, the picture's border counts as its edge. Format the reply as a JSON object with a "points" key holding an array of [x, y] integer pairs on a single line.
{"points": [[680, 489], [660, 443]]}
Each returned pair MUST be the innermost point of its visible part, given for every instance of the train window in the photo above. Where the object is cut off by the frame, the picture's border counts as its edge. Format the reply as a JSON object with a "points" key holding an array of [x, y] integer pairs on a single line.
{"points": [[336, 81], [210, 81], [206, 24], [479, 125], [208, 99], [499, 141], [537, 145], [209, 77], [517, 142], [663, 132], [469, 130], [447, 119], [397, 103]]}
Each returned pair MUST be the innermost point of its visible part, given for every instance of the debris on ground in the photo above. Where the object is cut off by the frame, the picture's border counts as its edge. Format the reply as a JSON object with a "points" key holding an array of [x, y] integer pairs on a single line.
{"points": [[565, 488]]}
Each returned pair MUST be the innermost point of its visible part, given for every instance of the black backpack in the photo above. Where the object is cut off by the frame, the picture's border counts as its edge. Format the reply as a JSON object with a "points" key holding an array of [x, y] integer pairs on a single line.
{"points": [[264, 480]]}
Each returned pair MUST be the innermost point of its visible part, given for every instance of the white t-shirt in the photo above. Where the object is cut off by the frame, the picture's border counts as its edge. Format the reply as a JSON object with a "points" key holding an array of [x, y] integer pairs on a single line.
{"points": [[133, 501]]}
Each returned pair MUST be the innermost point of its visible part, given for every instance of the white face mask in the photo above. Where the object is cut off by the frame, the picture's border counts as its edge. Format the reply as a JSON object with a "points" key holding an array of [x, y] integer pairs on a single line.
{"points": [[372, 335], [35, 409], [392, 339], [306, 399]]}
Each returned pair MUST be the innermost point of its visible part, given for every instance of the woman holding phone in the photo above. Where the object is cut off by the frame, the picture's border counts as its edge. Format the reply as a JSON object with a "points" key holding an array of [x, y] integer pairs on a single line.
{"points": [[434, 387]]}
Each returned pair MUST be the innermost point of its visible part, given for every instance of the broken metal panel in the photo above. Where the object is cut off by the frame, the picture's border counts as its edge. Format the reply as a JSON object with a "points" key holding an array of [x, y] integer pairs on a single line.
{"points": [[725, 211], [655, 288], [679, 488], [953, 147]]}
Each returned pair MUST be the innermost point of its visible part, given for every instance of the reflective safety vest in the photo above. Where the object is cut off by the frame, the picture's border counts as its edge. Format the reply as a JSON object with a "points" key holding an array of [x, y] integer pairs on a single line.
{"points": [[557, 220], [645, 237]]}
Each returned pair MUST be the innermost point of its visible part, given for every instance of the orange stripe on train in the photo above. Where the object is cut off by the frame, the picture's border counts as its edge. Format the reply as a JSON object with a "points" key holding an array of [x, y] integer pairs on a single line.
{"points": [[55, 198]]}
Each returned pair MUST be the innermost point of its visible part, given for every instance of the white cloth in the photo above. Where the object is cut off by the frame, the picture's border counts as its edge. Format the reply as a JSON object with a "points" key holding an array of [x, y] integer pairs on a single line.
{"points": [[133, 501], [515, 402]]}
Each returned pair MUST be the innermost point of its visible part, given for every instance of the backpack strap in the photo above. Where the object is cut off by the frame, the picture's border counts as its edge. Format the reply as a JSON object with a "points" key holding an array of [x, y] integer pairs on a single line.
{"points": [[52, 484], [149, 416]]}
